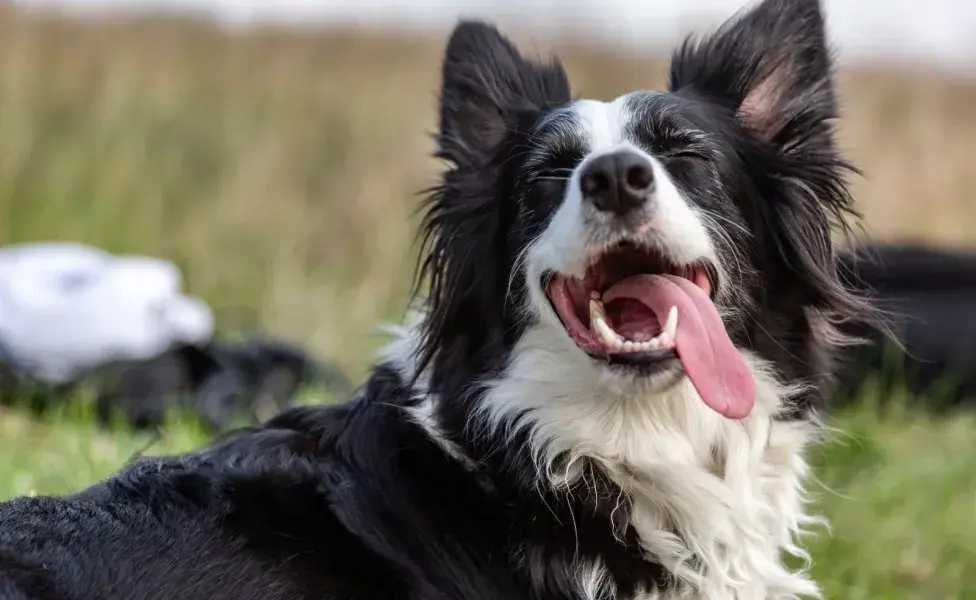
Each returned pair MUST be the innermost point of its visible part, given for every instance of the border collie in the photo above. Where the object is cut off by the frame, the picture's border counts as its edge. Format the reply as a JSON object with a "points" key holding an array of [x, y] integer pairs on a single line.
{"points": [[606, 393]]}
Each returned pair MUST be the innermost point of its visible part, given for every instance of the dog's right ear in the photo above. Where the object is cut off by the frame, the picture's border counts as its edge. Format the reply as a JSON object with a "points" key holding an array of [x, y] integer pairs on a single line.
{"points": [[488, 91], [486, 84]]}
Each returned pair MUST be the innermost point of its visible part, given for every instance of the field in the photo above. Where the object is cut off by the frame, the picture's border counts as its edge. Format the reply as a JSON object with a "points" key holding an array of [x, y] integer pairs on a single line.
{"points": [[280, 170]]}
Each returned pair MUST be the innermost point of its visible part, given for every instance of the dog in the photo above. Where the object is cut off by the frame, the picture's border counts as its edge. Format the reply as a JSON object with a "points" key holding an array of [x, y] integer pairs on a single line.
{"points": [[220, 381], [928, 342], [605, 393]]}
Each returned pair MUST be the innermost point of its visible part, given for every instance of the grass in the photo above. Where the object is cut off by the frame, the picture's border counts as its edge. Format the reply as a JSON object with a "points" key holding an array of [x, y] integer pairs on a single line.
{"points": [[900, 493], [279, 169], [898, 487]]}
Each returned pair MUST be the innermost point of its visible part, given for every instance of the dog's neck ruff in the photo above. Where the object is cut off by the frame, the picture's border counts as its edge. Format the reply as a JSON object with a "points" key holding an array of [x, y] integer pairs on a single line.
{"points": [[716, 502]]}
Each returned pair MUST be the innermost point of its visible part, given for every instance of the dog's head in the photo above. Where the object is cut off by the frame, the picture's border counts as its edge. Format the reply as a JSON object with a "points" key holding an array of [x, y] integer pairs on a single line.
{"points": [[658, 232]]}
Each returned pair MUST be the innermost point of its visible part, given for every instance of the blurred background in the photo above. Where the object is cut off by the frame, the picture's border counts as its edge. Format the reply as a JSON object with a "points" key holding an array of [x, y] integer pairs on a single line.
{"points": [[273, 151]]}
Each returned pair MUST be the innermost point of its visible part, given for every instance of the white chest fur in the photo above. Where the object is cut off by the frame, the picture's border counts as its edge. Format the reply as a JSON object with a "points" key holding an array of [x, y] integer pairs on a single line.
{"points": [[715, 501]]}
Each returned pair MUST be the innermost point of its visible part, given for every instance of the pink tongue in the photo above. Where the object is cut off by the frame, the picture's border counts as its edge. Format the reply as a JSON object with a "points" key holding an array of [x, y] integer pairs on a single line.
{"points": [[713, 364]]}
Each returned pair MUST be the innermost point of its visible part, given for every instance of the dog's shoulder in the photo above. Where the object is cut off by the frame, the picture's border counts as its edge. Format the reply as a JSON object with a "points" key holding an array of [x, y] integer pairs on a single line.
{"points": [[249, 517]]}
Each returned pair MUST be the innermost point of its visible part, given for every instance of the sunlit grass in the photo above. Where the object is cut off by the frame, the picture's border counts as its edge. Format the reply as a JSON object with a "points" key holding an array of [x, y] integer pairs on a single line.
{"points": [[280, 171], [899, 490]]}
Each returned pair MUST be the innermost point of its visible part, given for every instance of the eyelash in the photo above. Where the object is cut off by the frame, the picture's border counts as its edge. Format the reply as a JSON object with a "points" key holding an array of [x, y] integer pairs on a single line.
{"points": [[690, 153], [548, 175]]}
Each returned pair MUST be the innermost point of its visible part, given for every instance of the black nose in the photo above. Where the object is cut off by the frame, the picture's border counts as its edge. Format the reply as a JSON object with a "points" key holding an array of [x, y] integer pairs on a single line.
{"points": [[619, 182]]}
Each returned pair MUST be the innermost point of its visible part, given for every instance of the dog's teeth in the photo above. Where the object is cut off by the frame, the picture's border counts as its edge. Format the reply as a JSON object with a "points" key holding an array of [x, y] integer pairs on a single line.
{"points": [[664, 340], [671, 323], [606, 332], [595, 295], [596, 310], [614, 341]]}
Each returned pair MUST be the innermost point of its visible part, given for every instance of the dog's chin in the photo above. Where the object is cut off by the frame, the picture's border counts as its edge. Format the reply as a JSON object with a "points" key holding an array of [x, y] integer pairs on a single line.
{"points": [[657, 364]]}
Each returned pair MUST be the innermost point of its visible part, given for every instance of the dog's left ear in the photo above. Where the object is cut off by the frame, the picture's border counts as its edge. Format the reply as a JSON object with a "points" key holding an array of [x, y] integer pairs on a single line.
{"points": [[771, 68], [771, 65]]}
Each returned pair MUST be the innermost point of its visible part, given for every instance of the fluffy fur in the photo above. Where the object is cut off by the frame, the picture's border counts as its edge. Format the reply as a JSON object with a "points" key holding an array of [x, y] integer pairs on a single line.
{"points": [[488, 456]]}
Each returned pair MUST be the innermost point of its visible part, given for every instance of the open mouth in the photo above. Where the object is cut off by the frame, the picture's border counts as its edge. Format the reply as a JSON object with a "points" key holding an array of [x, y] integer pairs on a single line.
{"points": [[634, 307], [610, 312]]}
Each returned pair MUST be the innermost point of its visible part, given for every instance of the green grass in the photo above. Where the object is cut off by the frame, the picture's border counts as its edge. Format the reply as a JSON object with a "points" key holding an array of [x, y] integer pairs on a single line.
{"points": [[280, 171], [899, 489], [900, 494]]}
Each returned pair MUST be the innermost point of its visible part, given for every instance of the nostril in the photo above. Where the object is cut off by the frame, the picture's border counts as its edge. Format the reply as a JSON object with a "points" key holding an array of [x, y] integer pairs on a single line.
{"points": [[601, 182], [596, 182], [617, 182], [639, 177]]}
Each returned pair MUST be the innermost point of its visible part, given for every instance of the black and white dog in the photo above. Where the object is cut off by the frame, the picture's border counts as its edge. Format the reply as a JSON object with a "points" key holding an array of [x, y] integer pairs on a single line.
{"points": [[605, 395]]}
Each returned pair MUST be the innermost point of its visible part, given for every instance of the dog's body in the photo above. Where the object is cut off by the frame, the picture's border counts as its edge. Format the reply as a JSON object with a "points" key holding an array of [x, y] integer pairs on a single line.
{"points": [[605, 395], [222, 382], [929, 345]]}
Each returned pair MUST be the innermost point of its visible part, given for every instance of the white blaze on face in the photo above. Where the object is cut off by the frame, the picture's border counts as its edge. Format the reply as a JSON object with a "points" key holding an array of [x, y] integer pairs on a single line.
{"points": [[672, 224]]}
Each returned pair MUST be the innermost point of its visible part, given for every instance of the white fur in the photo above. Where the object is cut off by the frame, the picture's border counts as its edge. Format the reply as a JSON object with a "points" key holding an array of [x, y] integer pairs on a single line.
{"points": [[728, 493], [733, 489], [577, 227]]}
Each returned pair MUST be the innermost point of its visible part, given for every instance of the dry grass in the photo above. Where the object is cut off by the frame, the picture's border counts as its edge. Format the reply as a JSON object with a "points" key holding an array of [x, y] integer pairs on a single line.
{"points": [[280, 171]]}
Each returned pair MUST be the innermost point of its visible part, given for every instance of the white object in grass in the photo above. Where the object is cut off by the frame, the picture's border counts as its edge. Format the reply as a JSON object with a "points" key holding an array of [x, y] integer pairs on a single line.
{"points": [[68, 308]]}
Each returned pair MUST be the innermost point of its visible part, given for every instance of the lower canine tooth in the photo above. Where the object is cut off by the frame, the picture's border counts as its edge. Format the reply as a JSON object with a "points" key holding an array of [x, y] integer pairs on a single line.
{"points": [[609, 335]]}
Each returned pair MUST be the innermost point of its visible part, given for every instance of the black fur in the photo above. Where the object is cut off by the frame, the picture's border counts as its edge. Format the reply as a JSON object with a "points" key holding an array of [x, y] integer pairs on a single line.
{"points": [[356, 501], [794, 184], [220, 382], [928, 345], [490, 98]]}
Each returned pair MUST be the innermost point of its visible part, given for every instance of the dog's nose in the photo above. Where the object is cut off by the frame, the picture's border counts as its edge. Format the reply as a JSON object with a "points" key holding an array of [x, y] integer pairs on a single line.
{"points": [[618, 182]]}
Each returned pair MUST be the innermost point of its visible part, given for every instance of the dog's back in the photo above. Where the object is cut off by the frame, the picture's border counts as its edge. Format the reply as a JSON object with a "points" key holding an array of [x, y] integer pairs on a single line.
{"points": [[350, 502], [306, 507], [929, 295]]}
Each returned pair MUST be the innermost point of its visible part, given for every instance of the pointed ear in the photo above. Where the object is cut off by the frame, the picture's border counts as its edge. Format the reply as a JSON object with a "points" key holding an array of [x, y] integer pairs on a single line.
{"points": [[488, 90], [486, 83], [771, 65]]}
